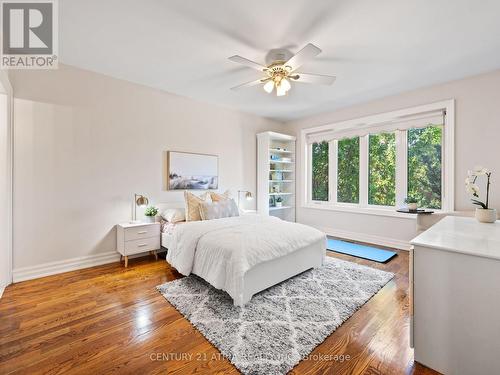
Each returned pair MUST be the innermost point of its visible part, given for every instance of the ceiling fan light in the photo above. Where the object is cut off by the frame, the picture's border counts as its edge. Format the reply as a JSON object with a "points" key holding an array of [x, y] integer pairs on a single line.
{"points": [[285, 84], [280, 91], [269, 86]]}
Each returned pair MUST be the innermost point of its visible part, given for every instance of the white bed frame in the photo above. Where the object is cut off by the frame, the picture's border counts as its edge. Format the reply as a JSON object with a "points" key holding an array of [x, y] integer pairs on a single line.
{"points": [[272, 272]]}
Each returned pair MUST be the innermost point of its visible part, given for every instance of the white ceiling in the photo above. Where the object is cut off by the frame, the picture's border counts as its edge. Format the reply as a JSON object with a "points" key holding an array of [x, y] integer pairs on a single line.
{"points": [[374, 47]]}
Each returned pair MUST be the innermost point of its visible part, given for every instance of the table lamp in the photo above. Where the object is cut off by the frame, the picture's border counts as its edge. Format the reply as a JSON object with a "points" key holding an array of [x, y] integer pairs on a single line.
{"points": [[141, 201]]}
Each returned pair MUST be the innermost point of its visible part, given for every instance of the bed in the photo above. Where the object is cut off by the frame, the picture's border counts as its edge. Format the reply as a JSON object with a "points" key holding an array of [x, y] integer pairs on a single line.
{"points": [[243, 255]]}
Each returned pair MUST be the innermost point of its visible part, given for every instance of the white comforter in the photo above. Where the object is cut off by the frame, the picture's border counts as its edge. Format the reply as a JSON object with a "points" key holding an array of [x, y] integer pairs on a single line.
{"points": [[221, 251]]}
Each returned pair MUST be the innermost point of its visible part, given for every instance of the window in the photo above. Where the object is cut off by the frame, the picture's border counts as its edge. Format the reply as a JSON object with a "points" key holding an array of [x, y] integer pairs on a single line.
{"points": [[378, 163], [320, 171], [348, 170], [425, 166], [382, 169]]}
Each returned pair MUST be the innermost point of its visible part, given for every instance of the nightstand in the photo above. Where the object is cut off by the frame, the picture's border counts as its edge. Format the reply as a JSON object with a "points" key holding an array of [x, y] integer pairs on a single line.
{"points": [[137, 238]]}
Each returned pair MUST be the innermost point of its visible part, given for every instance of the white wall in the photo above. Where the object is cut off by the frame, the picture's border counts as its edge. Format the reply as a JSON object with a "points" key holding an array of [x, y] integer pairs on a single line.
{"points": [[477, 142], [5, 185], [84, 143]]}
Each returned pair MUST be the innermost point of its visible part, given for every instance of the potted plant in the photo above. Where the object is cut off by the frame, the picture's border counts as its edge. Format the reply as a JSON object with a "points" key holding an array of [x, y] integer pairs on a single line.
{"points": [[279, 202], [150, 214], [412, 202], [484, 213]]}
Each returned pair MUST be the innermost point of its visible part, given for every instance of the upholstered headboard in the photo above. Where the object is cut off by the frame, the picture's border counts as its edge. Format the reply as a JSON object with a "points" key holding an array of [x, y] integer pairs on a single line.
{"points": [[164, 205]]}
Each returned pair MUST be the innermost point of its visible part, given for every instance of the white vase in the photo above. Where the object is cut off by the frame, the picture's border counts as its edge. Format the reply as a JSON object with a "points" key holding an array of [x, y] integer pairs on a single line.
{"points": [[279, 204], [150, 219], [412, 206], [486, 215]]}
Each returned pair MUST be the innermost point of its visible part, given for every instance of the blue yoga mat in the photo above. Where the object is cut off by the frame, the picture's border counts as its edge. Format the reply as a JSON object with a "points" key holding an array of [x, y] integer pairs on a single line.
{"points": [[360, 251]]}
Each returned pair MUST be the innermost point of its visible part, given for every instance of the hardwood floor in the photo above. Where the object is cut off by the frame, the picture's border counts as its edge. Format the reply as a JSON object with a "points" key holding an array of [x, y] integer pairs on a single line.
{"points": [[109, 319]]}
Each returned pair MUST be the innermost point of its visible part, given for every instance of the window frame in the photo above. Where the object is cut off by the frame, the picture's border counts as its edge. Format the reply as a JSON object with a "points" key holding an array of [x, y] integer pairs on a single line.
{"points": [[447, 162]]}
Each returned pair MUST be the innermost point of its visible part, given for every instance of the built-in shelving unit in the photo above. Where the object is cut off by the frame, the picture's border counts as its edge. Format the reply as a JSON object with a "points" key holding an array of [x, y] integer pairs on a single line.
{"points": [[276, 175]]}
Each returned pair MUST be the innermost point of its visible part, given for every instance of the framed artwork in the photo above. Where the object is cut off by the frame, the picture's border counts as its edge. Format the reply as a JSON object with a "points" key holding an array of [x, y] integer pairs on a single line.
{"points": [[191, 171], [272, 201]]}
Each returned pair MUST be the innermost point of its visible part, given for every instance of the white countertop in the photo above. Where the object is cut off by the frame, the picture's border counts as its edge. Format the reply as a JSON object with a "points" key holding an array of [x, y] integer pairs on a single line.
{"points": [[463, 235]]}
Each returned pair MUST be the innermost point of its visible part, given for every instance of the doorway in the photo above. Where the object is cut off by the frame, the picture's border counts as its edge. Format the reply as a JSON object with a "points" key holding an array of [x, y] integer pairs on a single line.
{"points": [[5, 184]]}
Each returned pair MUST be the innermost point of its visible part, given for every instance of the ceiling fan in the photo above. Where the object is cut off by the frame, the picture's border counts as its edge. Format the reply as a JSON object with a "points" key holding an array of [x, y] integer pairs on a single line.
{"points": [[281, 71]]}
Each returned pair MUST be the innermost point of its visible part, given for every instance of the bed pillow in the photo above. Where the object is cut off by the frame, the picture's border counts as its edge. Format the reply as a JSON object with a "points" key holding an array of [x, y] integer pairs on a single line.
{"points": [[174, 215], [216, 197], [218, 210], [192, 203]]}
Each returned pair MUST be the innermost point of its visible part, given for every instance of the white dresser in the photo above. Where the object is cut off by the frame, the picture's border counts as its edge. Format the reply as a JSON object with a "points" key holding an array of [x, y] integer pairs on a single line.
{"points": [[137, 238], [455, 297]]}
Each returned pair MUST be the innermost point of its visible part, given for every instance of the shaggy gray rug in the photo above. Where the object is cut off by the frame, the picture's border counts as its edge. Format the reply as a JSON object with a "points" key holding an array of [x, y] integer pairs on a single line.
{"points": [[281, 325]]}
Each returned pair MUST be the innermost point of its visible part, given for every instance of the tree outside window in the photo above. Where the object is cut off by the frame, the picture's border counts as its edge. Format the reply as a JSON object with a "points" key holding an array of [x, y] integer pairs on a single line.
{"points": [[382, 169], [320, 171], [425, 165], [348, 170]]}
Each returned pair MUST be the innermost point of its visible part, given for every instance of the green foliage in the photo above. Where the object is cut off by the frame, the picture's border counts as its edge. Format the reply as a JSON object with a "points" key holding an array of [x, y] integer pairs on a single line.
{"points": [[348, 171], [320, 171], [424, 169], [411, 198], [424, 166], [151, 211], [479, 203], [382, 169]]}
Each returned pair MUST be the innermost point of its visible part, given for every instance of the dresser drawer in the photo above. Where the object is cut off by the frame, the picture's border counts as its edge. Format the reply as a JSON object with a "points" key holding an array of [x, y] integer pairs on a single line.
{"points": [[142, 245], [139, 232]]}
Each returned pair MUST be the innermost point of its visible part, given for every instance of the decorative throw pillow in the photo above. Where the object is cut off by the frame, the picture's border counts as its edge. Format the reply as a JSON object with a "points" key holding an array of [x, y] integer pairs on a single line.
{"points": [[218, 210], [216, 197], [174, 215], [192, 203]]}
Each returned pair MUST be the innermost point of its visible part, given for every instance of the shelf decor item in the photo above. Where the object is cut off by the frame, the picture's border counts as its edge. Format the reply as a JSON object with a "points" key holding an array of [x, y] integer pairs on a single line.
{"points": [[272, 201], [150, 214], [484, 214], [279, 202]]}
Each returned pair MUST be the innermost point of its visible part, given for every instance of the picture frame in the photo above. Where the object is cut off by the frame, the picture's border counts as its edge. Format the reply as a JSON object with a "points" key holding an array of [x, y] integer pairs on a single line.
{"points": [[272, 201], [192, 171]]}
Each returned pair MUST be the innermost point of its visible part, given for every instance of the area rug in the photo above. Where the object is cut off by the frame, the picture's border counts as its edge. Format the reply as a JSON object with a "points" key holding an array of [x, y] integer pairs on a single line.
{"points": [[280, 326]]}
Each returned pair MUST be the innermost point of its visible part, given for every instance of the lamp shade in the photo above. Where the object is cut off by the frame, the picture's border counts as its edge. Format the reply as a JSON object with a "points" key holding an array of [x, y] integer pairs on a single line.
{"points": [[141, 200], [269, 86]]}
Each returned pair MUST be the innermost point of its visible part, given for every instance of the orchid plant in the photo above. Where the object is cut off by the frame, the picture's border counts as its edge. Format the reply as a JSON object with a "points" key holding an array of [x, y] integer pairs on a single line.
{"points": [[473, 188]]}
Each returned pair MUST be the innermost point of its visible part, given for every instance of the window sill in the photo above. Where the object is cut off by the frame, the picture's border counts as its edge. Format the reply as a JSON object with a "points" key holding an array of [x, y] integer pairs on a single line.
{"points": [[361, 210]]}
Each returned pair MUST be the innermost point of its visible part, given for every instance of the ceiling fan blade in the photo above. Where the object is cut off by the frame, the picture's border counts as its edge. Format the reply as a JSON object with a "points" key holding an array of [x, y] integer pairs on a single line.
{"points": [[319, 79], [246, 62], [248, 84], [301, 57]]}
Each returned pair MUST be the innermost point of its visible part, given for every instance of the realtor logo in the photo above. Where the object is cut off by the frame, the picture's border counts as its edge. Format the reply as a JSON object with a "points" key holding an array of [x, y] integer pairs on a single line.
{"points": [[29, 34]]}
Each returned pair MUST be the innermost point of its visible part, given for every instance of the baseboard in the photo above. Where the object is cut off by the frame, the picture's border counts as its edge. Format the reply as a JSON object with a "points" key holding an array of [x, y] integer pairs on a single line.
{"points": [[52, 268], [2, 288], [368, 238]]}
